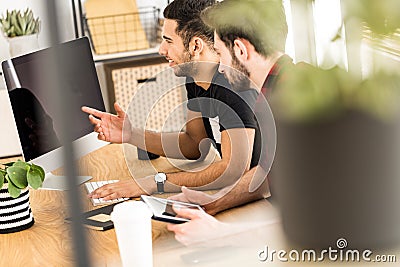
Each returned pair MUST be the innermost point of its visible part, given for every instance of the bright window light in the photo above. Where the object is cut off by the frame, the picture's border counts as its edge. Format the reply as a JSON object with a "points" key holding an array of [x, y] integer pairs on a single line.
{"points": [[327, 22]]}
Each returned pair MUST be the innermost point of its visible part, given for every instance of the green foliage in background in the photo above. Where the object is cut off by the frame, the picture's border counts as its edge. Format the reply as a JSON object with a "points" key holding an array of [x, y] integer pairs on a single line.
{"points": [[18, 175], [18, 23], [382, 17], [310, 94]]}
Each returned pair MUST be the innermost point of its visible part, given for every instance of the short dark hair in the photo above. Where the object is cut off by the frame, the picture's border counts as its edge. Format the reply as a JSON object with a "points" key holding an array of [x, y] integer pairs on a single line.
{"points": [[261, 22], [187, 14]]}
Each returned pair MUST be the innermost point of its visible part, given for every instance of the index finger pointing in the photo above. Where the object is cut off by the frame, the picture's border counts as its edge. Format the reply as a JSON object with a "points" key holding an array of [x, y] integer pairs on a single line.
{"points": [[92, 111]]}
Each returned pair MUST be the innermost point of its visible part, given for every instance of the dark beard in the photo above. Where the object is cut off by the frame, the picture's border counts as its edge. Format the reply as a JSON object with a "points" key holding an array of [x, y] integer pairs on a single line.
{"points": [[187, 69], [240, 78]]}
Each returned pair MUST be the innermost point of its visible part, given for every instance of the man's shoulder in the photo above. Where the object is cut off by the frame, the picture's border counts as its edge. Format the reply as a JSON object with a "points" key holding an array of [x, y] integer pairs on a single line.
{"points": [[191, 87], [189, 79], [249, 96], [220, 81], [189, 82], [304, 75], [302, 65]]}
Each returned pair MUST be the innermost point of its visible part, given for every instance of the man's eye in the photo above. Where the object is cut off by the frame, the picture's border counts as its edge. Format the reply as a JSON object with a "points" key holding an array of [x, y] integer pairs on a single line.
{"points": [[167, 40]]}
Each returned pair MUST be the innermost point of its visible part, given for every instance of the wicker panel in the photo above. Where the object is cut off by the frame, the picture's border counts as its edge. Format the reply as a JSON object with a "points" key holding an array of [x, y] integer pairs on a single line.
{"points": [[119, 26], [118, 33], [153, 97]]}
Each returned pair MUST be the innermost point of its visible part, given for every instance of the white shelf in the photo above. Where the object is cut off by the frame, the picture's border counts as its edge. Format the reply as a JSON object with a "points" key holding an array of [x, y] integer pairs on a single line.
{"points": [[124, 55]]}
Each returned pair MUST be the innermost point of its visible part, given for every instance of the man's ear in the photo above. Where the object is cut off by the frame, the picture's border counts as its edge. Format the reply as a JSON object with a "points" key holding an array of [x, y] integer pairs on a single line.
{"points": [[241, 49], [196, 46]]}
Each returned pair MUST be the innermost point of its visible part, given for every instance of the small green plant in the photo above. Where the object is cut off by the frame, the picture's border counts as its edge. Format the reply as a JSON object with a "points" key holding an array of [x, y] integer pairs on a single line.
{"points": [[18, 175], [18, 23]]}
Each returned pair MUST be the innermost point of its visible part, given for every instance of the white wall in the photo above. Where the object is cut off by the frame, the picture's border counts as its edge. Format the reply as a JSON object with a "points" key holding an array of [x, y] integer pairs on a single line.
{"points": [[158, 3], [9, 142], [39, 10]]}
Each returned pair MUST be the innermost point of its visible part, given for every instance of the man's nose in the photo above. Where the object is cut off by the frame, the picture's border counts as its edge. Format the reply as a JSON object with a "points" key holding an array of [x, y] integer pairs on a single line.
{"points": [[162, 50]]}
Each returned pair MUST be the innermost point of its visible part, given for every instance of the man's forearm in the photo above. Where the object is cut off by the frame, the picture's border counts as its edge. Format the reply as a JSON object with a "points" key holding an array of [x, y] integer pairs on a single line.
{"points": [[239, 193], [218, 175], [198, 178], [173, 145], [214, 176], [237, 148]]}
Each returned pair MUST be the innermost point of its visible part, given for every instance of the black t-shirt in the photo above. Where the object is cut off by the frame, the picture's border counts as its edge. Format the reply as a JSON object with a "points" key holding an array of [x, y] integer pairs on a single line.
{"points": [[223, 109]]}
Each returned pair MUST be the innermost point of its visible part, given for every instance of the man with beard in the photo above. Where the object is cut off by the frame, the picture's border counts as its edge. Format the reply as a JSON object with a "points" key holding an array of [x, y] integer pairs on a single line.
{"points": [[253, 44], [188, 46]]}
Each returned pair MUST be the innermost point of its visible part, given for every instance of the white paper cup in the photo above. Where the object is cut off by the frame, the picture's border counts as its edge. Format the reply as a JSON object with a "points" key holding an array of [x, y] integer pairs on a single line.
{"points": [[132, 222]]}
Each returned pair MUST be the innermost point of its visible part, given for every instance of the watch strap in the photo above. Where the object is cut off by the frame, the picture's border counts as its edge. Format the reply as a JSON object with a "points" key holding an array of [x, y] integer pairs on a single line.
{"points": [[160, 187]]}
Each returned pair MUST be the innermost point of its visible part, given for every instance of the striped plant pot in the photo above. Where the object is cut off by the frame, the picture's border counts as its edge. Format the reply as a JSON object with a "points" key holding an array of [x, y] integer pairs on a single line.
{"points": [[15, 213]]}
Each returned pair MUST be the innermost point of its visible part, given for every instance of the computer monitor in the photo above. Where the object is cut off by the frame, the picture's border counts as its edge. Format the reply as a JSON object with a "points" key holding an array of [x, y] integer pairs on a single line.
{"points": [[31, 86]]}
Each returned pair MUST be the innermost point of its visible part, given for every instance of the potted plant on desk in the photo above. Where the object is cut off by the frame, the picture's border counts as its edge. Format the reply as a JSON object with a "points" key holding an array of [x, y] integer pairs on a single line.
{"points": [[15, 212], [21, 30]]}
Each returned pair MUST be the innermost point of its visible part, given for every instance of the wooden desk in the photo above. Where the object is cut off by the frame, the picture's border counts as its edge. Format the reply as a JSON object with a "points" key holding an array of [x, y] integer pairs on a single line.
{"points": [[49, 241]]}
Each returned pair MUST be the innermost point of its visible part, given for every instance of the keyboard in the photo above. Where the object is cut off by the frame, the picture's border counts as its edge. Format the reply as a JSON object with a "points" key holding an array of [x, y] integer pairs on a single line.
{"points": [[91, 186]]}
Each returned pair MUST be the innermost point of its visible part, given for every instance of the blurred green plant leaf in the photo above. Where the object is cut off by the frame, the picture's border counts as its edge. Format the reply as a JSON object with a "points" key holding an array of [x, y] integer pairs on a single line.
{"points": [[20, 174], [34, 177], [312, 94], [2, 174], [382, 16], [13, 190], [21, 164], [17, 23], [39, 170], [17, 176]]}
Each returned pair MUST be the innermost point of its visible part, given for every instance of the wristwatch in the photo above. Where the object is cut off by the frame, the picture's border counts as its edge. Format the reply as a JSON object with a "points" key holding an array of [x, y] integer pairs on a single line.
{"points": [[160, 179]]}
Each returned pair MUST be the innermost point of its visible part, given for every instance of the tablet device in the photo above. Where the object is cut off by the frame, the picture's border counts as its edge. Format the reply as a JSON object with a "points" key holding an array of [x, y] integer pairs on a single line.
{"points": [[162, 208]]}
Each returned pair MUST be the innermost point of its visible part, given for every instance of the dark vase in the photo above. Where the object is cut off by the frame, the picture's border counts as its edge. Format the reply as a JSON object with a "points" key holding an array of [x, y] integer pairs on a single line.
{"points": [[339, 179]]}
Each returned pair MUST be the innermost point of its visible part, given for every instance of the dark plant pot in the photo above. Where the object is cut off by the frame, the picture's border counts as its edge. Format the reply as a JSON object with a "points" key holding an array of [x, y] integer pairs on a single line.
{"points": [[339, 179], [145, 155], [15, 213]]}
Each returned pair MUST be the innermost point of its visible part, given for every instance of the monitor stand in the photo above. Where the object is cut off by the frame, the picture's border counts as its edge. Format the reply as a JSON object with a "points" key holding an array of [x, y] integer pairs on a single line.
{"points": [[55, 182]]}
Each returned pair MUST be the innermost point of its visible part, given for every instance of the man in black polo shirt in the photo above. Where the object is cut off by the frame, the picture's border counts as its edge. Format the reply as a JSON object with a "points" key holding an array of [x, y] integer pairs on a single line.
{"points": [[215, 113], [253, 45], [222, 109]]}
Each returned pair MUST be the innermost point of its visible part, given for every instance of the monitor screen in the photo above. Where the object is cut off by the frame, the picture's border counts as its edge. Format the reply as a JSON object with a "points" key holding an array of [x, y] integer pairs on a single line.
{"points": [[33, 92]]}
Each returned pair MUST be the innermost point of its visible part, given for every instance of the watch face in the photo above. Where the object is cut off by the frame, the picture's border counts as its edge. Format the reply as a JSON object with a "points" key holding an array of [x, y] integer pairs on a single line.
{"points": [[160, 177]]}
